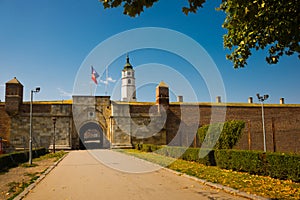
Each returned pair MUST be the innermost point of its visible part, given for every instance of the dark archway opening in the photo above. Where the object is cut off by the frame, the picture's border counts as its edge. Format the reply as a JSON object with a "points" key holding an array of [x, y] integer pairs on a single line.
{"points": [[91, 136]]}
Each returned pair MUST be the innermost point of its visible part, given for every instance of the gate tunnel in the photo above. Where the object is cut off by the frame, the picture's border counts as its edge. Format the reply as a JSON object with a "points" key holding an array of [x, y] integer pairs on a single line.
{"points": [[91, 136]]}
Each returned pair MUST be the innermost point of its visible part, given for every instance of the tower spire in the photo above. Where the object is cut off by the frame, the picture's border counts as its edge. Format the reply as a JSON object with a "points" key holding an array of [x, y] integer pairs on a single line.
{"points": [[127, 65]]}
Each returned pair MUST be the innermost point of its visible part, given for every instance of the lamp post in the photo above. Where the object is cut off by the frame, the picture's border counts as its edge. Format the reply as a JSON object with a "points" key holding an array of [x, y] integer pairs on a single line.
{"points": [[262, 99], [37, 89], [54, 122]]}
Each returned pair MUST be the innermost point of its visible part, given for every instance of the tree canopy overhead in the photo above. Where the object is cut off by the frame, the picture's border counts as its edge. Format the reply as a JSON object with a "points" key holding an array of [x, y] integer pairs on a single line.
{"points": [[251, 25]]}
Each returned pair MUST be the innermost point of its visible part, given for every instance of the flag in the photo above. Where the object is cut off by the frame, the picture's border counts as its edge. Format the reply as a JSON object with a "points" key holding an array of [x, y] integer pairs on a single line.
{"points": [[95, 75]]}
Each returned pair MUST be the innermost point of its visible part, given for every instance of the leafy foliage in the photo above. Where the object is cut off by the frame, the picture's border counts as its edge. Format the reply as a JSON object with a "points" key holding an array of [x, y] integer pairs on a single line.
{"points": [[131, 7], [147, 147], [203, 156], [287, 166], [231, 132], [135, 7], [276, 165], [257, 24]]}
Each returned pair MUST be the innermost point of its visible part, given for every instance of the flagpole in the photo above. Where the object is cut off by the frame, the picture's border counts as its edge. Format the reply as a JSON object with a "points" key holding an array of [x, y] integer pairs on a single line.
{"points": [[106, 84], [91, 88], [95, 75]]}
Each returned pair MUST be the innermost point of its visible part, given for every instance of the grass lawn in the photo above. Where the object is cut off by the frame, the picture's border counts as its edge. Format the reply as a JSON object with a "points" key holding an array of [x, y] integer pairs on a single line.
{"points": [[252, 184]]}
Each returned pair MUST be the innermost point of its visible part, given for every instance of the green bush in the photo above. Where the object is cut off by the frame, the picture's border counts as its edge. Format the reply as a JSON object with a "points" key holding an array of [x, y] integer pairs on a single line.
{"points": [[203, 156], [245, 161], [226, 134], [275, 165], [13, 159], [283, 166], [147, 147], [175, 152]]}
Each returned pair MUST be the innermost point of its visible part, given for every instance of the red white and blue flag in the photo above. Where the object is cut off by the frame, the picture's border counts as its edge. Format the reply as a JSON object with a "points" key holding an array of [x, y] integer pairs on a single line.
{"points": [[95, 75]]}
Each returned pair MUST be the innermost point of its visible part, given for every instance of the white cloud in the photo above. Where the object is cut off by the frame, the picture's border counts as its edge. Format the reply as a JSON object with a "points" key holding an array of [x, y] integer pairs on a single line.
{"points": [[107, 81], [63, 93], [104, 82]]}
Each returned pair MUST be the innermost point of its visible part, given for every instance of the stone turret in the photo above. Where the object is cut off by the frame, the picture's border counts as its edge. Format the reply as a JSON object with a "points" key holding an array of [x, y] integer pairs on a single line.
{"points": [[162, 95], [13, 96]]}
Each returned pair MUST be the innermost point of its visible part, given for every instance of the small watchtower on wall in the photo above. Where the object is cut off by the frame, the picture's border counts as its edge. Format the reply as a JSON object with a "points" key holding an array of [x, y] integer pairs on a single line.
{"points": [[13, 96], [162, 95]]}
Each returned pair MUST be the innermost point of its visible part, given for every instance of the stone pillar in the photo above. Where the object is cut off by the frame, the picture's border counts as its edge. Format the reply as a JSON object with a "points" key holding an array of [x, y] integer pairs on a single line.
{"points": [[162, 96], [281, 101], [250, 100], [218, 99], [180, 98]]}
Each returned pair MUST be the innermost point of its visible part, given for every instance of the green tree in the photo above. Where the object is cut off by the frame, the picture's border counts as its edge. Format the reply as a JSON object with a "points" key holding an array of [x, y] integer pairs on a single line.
{"points": [[226, 134], [251, 25]]}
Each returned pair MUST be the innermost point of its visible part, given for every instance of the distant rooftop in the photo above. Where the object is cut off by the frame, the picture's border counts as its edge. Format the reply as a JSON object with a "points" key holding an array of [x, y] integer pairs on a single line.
{"points": [[162, 84]]}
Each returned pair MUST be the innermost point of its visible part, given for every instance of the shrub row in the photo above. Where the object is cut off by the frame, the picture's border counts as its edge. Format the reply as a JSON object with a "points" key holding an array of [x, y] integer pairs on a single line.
{"points": [[147, 147], [203, 156], [221, 135], [13, 159], [276, 165]]}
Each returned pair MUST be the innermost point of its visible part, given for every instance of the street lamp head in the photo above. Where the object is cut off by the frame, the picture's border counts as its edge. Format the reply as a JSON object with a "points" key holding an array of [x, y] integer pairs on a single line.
{"points": [[258, 96], [54, 120], [266, 96], [37, 89]]}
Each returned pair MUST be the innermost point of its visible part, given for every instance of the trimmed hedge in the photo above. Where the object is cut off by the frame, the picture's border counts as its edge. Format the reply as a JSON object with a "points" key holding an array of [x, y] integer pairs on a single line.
{"points": [[244, 161], [147, 147], [276, 165], [283, 166], [203, 156], [226, 134], [14, 159]]}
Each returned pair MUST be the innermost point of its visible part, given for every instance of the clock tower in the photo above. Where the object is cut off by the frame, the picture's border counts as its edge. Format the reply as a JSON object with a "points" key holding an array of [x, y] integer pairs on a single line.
{"points": [[128, 92]]}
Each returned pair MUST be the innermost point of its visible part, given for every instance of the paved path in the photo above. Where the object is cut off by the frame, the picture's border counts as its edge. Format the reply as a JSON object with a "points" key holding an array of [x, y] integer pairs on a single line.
{"points": [[81, 176]]}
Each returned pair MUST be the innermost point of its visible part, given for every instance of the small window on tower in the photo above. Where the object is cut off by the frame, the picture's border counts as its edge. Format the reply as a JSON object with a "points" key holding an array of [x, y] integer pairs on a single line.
{"points": [[128, 73], [129, 81]]}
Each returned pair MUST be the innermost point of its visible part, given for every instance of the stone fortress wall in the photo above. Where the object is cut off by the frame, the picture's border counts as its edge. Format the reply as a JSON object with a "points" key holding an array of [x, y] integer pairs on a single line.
{"points": [[122, 124]]}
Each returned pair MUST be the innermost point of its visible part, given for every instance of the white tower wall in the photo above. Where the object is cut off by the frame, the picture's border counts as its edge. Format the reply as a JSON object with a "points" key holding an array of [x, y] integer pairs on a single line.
{"points": [[128, 92]]}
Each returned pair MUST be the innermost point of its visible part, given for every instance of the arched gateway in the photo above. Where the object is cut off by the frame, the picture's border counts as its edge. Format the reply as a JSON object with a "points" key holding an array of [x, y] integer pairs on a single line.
{"points": [[92, 136]]}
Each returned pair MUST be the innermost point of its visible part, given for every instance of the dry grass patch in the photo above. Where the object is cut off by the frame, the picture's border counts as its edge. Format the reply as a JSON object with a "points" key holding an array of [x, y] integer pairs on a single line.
{"points": [[16, 179]]}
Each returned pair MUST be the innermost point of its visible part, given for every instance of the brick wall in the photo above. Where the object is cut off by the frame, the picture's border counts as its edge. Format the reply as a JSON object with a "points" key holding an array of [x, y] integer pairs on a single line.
{"points": [[4, 123], [281, 123]]}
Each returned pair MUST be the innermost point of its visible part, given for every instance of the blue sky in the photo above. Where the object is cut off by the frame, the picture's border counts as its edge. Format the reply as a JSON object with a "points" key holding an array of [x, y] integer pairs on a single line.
{"points": [[45, 43]]}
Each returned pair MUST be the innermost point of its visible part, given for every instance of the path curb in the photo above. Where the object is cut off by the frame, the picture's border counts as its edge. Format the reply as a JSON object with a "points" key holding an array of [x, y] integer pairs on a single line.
{"points": [[31, 186]]}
